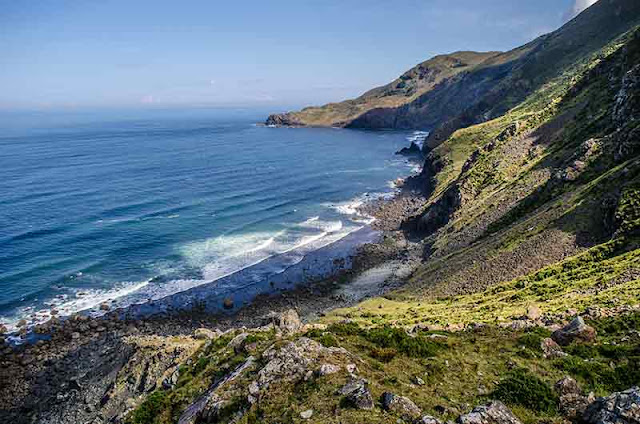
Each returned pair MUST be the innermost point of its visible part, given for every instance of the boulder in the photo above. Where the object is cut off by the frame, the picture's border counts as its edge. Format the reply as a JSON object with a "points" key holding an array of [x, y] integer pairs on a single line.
{"points": [[401, 406], [227, 303], [551, 349], [357, 393], [494, 412], [205, 334], [576, 330], [289, 321], [617, 408], [572, 402], [305, 415], [237, 341]]}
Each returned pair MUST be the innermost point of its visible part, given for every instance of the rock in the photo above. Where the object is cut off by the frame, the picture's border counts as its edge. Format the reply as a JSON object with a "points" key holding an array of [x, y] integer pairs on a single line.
{"points": [[205, 334], [576, 330], [75, 335], [237, 341], [327, 369], [104, 307], [551, 349], [351, 368], [254, 389], [428, 419], [417, 380], [305, 415], [533, 312], [170, 382], [572, 402], [617, 408], [227, 303], [293, 361], [494, 412], [289, 321], [21, 323], [400, 405], [357, 393]]}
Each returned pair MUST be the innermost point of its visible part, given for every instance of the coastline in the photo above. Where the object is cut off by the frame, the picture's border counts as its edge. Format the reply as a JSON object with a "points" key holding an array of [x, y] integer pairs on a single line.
{"points": [[68, 352]]}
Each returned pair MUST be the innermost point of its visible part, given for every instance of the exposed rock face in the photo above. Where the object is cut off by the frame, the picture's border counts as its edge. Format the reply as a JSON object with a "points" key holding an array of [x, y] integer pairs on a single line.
{"points": [[400, 405], [576, 330], [283, 120], [357, 393], [293, 361], [411, 151], [618, 408], [494, 412]]}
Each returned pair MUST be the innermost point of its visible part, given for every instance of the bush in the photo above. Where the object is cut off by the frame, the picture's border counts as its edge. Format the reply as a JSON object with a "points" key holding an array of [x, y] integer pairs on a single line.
{"points": [[398, 339], [525, 389], [345, 329], [383, 354], [150, 408]]}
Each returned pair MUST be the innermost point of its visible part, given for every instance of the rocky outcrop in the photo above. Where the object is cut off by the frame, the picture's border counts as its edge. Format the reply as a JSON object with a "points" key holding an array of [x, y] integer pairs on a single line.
{"points": [[572, 402], [618, 408], [576, 330], [207, 407], [494, 412], [283, 120], [551, 349]]}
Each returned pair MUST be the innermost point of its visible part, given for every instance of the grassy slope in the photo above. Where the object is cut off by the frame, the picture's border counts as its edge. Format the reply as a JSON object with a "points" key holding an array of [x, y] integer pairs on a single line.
{"points": [[413, 83]]}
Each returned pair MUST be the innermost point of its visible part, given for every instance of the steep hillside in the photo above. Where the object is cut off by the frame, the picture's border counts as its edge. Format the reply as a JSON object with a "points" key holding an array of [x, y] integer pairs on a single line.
{"points": [[487, 90], [419, 80]]}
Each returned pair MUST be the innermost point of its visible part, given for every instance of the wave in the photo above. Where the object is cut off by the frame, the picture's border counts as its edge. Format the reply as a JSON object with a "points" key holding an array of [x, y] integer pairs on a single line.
{"points": [[69, 304]]}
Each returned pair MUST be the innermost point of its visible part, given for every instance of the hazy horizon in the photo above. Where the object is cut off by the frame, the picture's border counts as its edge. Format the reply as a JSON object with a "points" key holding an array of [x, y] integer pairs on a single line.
{"points": [[67, 55]]}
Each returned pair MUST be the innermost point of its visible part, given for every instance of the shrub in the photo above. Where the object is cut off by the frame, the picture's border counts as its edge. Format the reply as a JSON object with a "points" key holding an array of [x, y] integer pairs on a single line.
{"points": [[345, 329], [150, 408], [383, 354], [398, 339], [525, 389]]}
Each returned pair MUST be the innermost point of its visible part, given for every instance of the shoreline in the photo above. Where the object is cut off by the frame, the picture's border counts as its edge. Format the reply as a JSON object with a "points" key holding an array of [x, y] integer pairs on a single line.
{"points": [[332, 261]]}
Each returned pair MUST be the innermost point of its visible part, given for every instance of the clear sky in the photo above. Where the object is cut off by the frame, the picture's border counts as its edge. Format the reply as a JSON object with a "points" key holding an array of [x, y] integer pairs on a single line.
{"points": [[124, 53]]}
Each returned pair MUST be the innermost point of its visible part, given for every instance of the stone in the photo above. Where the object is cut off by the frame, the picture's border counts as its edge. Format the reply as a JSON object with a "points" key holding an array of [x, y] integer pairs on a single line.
{"points": [[327, 369], [227, 303], [357, 393], [205, 334], [572, 402], [75, 335], [289, 321], [104, 307], [533, 312], [576, 330], [401, 405], [617, 408], [551, 349], [254, 388], [428, 419], [237, 341], [21, 323], [417, 380], [494, 412], [351, 368], [305, 415]]}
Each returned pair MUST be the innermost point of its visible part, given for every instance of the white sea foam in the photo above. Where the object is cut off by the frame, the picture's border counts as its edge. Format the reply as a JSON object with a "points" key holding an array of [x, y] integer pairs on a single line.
{"points": [[65, 305]]}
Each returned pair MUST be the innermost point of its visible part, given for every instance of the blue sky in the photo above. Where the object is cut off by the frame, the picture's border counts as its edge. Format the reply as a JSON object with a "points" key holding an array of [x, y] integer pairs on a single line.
{"points": [[115, 53]]}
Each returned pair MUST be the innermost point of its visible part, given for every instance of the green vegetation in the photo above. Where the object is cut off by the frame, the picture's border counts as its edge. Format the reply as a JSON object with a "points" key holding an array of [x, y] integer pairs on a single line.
{"points": [[520, 387]]}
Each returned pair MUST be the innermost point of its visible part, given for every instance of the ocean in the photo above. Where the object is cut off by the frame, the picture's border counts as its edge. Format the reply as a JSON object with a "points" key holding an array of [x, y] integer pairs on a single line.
{"points": [[124, 208]]}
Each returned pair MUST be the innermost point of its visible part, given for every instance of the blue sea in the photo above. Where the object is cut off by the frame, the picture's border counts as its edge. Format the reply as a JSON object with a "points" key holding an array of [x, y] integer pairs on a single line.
{"points": [[126, 207]]}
